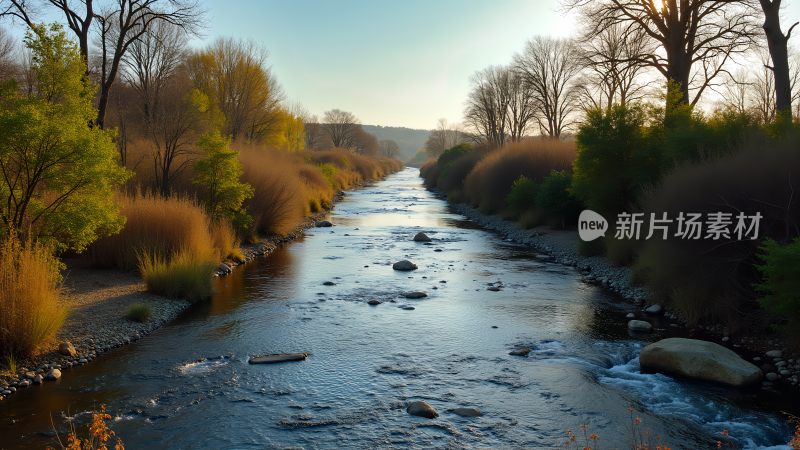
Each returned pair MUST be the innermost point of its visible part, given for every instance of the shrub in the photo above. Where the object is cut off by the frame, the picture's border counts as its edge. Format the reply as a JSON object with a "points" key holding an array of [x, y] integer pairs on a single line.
{"points": [[780, 285], [278, 204], [139, 312], [555, 200], [522, 196], [30, 312], [613, 162], [98, 434], [454, 166], [713, 279], [157, 226], [186, 274], [217, 174], [490, 182]]}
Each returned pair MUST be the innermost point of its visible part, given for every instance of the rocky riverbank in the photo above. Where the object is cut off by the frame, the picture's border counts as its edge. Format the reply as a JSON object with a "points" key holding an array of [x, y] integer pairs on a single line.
{"points": [[780, 365], [98, 301]]}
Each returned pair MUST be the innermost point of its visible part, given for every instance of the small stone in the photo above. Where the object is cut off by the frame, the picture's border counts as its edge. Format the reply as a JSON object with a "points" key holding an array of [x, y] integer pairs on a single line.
{"points": [[772, 376], [421, 409], [53, 374], [785, 373], [640, 326], [329, 283], [654, 309], [414, 295], [774, 353], [407, 307], [224, 268], [630, 316], [67, 349], [37, 379], [30, 374], [324, 224], [374, 302], [494, 289]]}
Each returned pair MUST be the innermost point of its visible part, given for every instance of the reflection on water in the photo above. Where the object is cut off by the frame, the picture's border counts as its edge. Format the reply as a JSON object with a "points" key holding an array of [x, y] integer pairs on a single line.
{"points": [[189, 385]]}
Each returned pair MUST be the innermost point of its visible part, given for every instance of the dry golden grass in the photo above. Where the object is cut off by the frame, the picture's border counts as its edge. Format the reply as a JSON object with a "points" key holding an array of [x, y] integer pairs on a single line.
{"points": [[156, 226], [30, 313], [225, 241], [490, 181], [98, 434]]}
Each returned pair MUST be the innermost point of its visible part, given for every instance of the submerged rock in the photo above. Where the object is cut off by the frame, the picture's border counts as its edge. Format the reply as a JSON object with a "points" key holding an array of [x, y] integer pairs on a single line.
{"points": [[640, 326], [520, 351], [701, 360], [374, 302], [421, 237], [404, 266], [466, 412], [329, 283], [324, 224], [414, 294], [422, 409]]}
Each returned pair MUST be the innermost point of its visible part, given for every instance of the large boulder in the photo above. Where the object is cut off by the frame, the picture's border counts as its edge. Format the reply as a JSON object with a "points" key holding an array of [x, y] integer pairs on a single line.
{"points": [[422, 409], [404, 266], [701, 360]]}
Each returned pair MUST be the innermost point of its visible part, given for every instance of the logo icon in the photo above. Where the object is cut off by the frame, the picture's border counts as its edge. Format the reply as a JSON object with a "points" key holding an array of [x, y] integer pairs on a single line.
{"points": [[591, 225]]}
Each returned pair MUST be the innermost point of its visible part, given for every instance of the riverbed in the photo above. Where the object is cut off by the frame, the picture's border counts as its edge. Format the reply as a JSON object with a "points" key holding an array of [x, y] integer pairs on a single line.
{"points": [[189, 385]]}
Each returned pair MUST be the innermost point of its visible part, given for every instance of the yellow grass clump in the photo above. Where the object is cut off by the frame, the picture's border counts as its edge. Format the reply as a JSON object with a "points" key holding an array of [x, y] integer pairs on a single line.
{"points": [[185, 274], [30, 311]]}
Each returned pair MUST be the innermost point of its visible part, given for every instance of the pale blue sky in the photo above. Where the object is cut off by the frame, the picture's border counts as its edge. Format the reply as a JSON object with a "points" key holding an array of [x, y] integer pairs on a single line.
{"points": [[403, 63]]}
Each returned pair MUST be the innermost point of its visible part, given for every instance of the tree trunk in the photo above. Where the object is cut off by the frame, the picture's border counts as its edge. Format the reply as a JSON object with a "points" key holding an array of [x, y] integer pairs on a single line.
{"points": [[778, 52]]}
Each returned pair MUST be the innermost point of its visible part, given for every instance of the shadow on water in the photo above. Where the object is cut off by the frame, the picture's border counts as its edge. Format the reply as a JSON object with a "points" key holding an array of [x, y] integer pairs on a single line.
{"points": [[188, 385]]}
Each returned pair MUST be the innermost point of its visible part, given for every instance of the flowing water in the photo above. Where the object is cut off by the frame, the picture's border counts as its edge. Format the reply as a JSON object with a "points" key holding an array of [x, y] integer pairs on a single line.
{"points": [[366, 362]]}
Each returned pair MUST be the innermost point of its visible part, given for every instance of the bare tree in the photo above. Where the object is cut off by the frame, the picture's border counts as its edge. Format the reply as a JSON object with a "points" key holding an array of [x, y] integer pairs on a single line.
{"points": [[150, 62], [762, 89], [697, 37], [121, 23], [613, 61], [7, 63], [521, 108], [551, 67], [443, 137], [487, 105], [778, 44], [341, 127], [736, 93], [389, 148]]}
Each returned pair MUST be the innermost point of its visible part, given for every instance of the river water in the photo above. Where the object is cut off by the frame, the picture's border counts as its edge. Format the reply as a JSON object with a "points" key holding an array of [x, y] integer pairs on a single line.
{"points": [[366, 362]]}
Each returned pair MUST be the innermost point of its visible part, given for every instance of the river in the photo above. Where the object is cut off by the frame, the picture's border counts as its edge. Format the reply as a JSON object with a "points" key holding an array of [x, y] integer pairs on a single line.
{"points": [[366, 362]]}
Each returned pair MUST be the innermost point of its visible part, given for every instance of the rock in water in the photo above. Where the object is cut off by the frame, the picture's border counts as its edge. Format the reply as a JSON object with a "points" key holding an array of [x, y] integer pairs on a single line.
{"points": [[67, 349], [421, 237], [53, 374], [701, 360], [324, 224], [520, 351], [414, 295], [466, 412], [404, 266], [422, 409], [640, 326], [374, 302]]}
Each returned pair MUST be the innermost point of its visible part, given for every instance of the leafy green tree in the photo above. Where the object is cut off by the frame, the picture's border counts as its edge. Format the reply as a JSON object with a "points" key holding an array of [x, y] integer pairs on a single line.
{"points": [[218, 173], [57, 174]]}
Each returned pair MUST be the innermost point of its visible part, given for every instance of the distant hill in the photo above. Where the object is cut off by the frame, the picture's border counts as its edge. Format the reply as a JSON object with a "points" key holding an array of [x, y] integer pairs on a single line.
{"points": [[410, 140]]}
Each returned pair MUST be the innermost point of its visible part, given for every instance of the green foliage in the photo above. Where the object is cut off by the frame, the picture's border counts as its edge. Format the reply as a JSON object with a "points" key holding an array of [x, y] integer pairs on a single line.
{"points": [[614, 161], [554, 198], [218, 173], [780, 285], [59, 173], [184, 275], [522, 196], [139, 312]]}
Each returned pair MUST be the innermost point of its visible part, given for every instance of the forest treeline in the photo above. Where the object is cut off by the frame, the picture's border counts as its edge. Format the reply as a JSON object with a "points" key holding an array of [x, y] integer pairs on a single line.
{"points": [[655, 108], [121, 145]]}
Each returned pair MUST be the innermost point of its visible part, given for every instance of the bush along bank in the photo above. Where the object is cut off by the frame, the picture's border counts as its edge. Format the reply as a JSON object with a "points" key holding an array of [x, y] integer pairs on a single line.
{"points": [[641, 160]]}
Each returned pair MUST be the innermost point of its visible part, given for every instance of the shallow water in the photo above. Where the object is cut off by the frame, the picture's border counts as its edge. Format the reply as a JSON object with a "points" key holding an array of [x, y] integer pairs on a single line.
{"points": [[366, 361]]}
